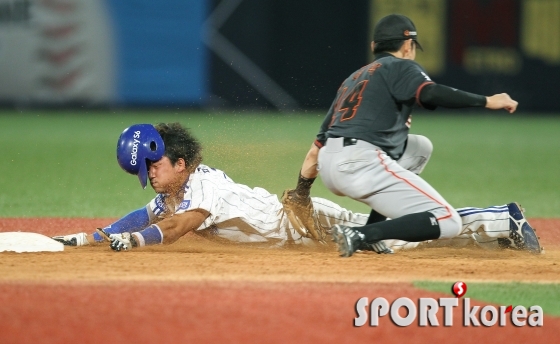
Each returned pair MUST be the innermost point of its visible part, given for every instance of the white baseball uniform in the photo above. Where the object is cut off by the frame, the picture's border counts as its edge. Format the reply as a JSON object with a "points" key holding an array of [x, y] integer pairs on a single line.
{"points": [[242, 214]]}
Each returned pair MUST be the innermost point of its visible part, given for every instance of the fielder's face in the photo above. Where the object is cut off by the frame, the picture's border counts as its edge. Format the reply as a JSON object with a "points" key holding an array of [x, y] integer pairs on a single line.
{"points": [[166, 177]]}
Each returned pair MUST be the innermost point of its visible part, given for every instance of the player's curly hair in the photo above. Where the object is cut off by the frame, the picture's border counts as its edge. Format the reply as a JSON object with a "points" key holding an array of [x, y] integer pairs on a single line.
{"points": [[180, 143]]}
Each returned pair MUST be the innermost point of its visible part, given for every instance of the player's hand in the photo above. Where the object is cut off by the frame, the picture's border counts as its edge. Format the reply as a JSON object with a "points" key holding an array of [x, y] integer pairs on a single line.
{"points": [[501, 101], [122, 241]]}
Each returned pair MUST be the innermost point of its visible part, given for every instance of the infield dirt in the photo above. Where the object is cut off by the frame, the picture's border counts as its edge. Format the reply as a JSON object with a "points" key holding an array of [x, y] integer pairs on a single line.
{"points": [[193, 258], [196, 290]]}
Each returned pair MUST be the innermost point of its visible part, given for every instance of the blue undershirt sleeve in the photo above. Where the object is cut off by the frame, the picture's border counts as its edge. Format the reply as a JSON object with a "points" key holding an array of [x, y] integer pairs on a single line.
{"points": [[132, 222]]}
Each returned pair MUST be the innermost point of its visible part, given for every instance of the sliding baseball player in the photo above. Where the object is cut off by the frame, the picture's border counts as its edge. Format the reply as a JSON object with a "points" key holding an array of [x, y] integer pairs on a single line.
{"points": [[194, 197]]}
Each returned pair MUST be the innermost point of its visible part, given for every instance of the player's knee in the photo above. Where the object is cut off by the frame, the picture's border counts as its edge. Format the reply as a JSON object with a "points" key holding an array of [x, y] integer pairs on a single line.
{"points": [[419, 146], [425, 146], [450, 226], [417, 154]]}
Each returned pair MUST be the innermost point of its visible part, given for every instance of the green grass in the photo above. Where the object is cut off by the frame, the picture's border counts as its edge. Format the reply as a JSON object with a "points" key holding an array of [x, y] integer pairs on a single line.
{"points": [[62, 163], [504, 294], [483, 161]]}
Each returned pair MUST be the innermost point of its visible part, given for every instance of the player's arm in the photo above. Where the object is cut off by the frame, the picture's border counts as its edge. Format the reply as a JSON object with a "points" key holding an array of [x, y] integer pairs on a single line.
{"points": [[309, 167], [308, 171], [441, 95], [307, 175], [166, 231], [131, 222], [297, 202], [134, 221], [410, 80], [172, 228]]}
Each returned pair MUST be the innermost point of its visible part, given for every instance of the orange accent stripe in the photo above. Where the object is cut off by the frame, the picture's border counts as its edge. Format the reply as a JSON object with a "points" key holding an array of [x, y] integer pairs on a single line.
{"points": [[373, 67], [318, 144], [420, 89], [415, 187], [360, 86], [360, 71]]}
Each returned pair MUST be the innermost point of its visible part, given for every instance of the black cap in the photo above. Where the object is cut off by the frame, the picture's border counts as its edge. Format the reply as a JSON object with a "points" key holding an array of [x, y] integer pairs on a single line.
{"points": [[395, 27]]}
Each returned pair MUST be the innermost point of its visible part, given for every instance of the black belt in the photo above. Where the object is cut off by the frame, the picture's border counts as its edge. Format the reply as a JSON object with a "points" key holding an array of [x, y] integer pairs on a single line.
{"points": [[349, 141]]}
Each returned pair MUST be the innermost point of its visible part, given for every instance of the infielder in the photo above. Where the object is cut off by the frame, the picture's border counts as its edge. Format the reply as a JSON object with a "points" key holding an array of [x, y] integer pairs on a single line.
{"points": [[194, 197], [363, 149]]}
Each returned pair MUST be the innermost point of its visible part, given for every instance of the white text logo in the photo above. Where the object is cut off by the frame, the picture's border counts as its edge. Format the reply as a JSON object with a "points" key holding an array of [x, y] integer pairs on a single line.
{"points": [[426, 309], [134, 154]]}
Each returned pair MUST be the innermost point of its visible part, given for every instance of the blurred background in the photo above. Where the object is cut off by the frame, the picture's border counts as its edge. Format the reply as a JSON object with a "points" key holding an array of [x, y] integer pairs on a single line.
{"points": [[262, 54], [253, 80]]}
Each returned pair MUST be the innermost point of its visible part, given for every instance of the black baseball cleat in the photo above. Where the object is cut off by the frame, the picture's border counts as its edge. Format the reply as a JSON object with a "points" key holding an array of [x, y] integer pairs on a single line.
{"points": [[521, 232], [504, 243], [378, 247], [347, 240]]}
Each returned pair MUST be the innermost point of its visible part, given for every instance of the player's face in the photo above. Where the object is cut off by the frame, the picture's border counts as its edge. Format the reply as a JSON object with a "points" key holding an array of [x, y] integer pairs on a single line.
{"points": [[165, 177]]}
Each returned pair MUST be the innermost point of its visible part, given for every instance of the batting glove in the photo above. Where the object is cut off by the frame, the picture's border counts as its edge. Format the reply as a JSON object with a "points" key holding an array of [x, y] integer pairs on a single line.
{"points": [[124, 241]]}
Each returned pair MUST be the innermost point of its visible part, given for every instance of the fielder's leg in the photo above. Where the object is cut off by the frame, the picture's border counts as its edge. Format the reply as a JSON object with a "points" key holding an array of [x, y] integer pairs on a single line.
{"points": [[416, 154], [365, 173], [415, 158]]}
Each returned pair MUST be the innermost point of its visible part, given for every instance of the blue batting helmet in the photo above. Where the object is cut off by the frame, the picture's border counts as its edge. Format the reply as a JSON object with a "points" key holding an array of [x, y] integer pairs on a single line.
{"points": [[138, 144]]}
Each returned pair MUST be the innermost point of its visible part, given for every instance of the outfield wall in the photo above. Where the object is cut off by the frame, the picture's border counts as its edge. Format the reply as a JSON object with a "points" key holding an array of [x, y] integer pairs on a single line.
{"points": [[264, 54], [139, 52]]}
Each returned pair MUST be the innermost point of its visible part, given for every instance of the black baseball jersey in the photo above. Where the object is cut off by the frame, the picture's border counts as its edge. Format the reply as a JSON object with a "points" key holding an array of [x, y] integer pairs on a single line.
{"points": [[374, 104]]}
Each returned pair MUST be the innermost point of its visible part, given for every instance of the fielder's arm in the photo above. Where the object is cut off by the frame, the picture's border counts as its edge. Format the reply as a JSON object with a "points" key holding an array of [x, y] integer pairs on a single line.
{"points": [[309, 167], [441, 95], [297, 202]]}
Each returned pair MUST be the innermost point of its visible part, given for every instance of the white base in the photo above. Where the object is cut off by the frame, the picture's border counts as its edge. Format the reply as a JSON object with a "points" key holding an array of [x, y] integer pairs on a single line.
{"points": [[28, 242]]}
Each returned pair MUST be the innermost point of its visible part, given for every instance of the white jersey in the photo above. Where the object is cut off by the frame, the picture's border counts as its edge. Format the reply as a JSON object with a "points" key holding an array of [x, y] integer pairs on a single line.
{"points": [[244, 215], [237, 212]]}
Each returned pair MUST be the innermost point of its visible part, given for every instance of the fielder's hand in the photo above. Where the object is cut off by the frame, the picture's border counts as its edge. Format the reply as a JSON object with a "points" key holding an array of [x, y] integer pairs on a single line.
{"points": [[501, 101], [302, 216], [124, 241]]}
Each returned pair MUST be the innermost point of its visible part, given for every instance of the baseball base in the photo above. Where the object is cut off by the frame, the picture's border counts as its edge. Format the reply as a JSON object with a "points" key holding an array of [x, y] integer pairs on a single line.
{"points": [[28, 242]]}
